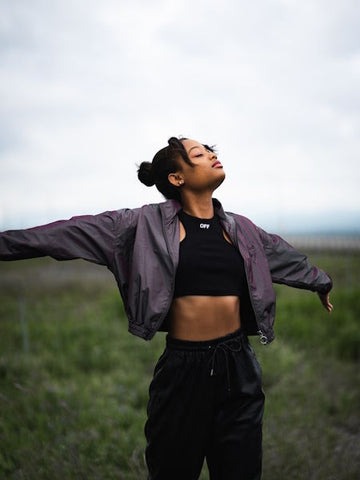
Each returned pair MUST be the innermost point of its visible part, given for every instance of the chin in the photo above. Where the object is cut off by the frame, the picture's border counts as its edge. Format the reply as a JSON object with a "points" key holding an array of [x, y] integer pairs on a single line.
{"points": [[220, 179]]}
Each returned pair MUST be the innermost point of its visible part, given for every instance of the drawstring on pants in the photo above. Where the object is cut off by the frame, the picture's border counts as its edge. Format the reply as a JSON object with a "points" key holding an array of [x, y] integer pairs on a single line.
{"points": [[229, 346], [232, 343]]}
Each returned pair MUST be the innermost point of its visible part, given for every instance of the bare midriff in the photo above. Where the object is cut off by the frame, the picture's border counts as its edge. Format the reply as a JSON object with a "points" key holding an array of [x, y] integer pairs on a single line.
{"points": [[197, 317]]}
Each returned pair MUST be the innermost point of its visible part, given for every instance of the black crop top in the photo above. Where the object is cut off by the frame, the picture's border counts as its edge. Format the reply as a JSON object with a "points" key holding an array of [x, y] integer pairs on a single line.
{"points": [[208, 263]]}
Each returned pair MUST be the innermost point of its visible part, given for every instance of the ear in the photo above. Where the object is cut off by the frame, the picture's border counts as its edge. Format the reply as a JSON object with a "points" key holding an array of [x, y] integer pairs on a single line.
{"points": [[176, 179]]}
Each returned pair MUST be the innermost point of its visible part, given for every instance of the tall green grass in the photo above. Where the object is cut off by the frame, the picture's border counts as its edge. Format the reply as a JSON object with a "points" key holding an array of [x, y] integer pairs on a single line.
{"points": [[74, 383]]}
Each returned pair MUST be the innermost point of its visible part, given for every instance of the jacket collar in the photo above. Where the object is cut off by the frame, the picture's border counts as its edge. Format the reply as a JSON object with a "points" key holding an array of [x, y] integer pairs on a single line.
{"points": [[169, 210]]}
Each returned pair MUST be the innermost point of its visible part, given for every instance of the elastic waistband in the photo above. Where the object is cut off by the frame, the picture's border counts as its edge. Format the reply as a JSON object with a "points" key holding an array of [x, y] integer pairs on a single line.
{"points": [[177, 344]]}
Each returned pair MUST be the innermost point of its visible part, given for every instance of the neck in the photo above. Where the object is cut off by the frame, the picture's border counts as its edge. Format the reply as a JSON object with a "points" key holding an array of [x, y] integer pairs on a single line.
{"points": [[198, 205]]}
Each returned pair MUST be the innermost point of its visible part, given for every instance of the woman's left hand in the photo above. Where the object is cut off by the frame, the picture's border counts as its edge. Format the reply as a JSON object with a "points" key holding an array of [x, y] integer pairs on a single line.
{"points": [[325, 300]]}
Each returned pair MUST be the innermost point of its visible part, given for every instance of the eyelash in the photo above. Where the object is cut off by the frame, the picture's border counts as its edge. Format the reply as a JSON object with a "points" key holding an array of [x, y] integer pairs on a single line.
{"points": [[211, 148]]}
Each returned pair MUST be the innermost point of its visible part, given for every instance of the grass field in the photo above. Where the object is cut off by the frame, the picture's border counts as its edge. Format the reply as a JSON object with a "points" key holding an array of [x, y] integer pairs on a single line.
{"points": [[73, 382]]}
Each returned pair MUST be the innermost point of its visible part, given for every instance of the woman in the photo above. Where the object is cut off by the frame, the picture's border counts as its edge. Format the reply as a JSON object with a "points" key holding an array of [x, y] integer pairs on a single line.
{"points": [[205, 276]]}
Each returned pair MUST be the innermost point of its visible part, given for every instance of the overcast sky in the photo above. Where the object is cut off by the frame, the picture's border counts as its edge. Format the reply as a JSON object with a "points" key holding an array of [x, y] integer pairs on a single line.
{"points": [[90, 89]]}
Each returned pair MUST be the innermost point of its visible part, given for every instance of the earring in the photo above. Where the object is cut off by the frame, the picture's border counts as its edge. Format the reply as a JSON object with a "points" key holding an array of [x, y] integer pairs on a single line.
{"points": [[181, 182]]}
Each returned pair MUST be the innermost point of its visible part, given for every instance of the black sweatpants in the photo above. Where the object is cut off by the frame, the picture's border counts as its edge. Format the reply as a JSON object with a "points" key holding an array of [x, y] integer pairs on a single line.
{"points": [[206, 401]]}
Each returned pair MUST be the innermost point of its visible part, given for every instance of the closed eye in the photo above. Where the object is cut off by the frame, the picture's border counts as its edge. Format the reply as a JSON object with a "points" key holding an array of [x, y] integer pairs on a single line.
{"points": [[210, 149]]}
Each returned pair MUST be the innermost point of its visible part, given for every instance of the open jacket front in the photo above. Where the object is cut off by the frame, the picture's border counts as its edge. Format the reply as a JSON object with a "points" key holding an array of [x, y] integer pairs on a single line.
{"points": [[141, 248]]}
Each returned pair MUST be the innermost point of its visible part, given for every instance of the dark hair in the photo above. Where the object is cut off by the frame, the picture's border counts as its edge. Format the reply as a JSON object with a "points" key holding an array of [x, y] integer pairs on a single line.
{"points": [[166, 161]]}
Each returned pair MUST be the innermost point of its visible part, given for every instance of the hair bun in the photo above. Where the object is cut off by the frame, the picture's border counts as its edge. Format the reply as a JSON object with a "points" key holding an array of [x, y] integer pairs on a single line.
{"points": [[145, 174]]}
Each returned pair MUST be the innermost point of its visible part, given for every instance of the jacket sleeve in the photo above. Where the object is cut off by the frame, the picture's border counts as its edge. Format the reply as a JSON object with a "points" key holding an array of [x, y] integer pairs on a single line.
{"points": [[292, 268], [90, 237]]}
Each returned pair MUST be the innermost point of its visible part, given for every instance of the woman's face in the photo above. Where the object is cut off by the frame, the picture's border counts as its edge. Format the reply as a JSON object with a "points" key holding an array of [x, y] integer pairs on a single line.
{"points": [[207, 172]]}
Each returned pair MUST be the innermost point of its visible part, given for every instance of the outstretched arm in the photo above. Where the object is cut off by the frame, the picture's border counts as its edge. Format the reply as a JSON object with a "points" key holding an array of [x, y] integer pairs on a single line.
{"points": [[90, 237], [290, 267]]}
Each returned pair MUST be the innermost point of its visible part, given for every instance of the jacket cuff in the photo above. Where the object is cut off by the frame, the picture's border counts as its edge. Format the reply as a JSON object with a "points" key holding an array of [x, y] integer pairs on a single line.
{"points": [[326, 288]]}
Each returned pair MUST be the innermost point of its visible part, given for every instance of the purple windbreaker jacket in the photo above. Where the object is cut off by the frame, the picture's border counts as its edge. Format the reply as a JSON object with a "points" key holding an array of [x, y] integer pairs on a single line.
{"points": [[141, 248]]}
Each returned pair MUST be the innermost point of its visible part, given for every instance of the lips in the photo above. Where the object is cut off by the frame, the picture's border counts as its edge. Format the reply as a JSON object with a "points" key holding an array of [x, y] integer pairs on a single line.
{"points": [[217, 164]]}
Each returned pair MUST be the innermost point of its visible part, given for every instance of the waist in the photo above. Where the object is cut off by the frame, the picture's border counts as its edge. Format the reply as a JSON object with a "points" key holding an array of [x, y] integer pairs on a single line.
{"points": [[196, 345], [204, 317]]}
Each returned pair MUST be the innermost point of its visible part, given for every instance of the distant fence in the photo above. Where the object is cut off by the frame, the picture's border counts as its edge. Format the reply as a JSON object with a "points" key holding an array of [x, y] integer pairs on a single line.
{"points": [[326, 243]]}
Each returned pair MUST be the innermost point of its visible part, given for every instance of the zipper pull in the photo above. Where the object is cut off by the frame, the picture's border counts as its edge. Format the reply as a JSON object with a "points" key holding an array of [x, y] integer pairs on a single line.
{"points": [[263, 338]]}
